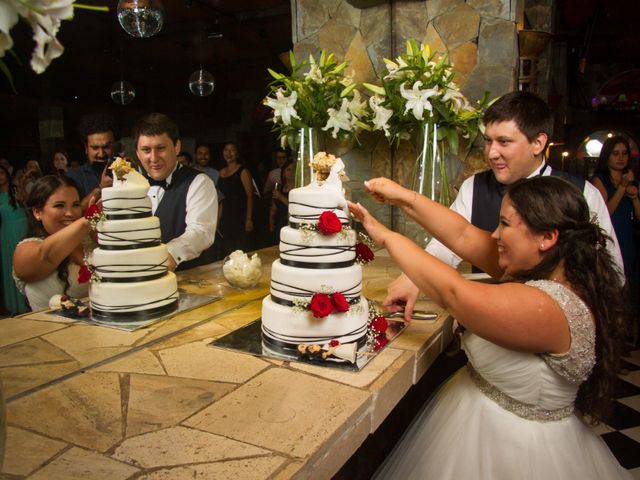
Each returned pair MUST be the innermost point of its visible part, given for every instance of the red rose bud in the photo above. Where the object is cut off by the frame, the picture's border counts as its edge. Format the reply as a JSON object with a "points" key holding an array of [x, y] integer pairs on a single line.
{"points": [[380, 342], [329, 223], [379, 324], [364, 253], [84, 275], [339, 302], [334, 343], [92, 210], [321, 305]]}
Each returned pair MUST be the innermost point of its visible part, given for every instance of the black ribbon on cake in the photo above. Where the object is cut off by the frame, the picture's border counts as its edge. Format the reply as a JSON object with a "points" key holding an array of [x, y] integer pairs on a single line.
{"points": [[117, 312], [352, 295], [331, 250], [131, 244], [113, 213], [292, 345], [105, 270]]}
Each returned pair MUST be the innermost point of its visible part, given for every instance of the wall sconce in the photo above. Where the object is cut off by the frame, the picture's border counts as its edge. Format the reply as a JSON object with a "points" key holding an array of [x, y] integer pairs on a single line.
{"points": [[531, 43]]}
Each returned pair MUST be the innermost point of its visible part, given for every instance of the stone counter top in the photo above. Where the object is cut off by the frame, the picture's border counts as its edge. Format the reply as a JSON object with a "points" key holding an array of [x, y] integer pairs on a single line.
{"points": [[89, 402]]}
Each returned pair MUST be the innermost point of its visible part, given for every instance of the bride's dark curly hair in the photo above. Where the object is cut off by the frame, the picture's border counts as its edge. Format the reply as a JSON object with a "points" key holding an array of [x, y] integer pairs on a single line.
{"points": [[549, 203]]}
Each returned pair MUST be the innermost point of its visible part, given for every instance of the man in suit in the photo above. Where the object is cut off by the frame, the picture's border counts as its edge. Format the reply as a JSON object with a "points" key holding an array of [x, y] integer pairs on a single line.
{"points": [[182, 198], [517, 129]]}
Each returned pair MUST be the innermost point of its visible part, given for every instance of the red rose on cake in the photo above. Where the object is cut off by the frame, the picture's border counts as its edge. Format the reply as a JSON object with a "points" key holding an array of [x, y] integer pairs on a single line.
{"points": [[321, 305], [364, 253], [329, 223], [339, 302]]}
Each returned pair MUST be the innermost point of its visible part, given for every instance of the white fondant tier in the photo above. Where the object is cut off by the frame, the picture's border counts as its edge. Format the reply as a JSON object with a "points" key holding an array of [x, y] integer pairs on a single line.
{"points": [[297, 245], [290, 283], [130, 233], [126, 201], [282, 324], [306, 204], [130, 265], [125, 298]]}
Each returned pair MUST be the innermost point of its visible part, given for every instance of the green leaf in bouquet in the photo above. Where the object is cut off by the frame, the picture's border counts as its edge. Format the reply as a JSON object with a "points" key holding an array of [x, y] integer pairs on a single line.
{"points": [[347, 91]]}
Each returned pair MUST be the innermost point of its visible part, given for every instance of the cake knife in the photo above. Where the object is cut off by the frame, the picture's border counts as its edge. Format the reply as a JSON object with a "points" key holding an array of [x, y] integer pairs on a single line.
{"points": [[416, 315]]}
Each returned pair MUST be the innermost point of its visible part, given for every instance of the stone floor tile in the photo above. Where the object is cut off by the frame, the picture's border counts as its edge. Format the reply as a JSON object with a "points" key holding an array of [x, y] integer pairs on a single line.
{"points": [[198, 360], [285, 411], [364, 377], [246, 469], [289, 470], [89, 344], [242, 316], [79, 464], [142, 361], [157, 402], [18, 329], [18, 379], [31, 352], [26, 451], [207, 331], [182, 446], [90, 403]]}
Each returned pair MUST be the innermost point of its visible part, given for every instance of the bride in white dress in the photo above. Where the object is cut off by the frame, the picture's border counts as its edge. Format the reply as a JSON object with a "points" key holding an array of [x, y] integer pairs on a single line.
{"points": [[543, 345]]}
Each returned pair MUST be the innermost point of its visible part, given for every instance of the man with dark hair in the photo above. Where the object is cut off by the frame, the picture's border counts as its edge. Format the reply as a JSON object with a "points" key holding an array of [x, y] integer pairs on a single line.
{"points": [[202, 160], [185, 158], [182, 198], [517, 128], [97, 132]]}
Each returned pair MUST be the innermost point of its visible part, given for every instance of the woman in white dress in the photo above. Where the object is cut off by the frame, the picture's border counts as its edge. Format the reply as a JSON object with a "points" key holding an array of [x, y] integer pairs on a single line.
{"points": [[543, 345], [47, 262]]}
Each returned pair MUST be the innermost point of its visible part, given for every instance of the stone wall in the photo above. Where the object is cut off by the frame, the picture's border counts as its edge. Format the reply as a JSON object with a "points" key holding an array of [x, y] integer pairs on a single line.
{"points": [[479, 37]]}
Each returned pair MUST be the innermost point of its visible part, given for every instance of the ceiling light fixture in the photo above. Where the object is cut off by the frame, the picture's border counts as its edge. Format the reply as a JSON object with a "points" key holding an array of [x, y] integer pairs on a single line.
{"points": [[141, 18], [201, 83]]}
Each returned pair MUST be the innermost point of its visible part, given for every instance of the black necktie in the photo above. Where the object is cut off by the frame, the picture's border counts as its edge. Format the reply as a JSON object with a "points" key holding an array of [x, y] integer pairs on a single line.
{"points": [[159, 183]]}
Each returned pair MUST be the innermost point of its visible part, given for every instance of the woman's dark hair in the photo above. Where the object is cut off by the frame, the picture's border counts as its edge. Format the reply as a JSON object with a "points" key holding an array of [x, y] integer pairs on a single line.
{"points": [[42, 189], [12, 194], [282, 169], [548, 203], [603, 160]]}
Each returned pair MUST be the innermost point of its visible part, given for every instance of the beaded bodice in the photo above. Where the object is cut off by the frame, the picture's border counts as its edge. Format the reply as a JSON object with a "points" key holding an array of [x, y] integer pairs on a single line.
{"points": [[539, 387]]}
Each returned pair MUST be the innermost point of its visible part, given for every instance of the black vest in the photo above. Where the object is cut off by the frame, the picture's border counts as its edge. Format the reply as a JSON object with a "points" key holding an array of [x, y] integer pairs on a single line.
{"points": [[172, 212], [488, 193]]}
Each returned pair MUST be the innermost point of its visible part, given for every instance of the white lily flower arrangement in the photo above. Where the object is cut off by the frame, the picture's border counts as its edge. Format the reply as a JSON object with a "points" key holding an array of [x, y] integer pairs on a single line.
{"points": [[45, 17], [415, 90], [317, 95]]}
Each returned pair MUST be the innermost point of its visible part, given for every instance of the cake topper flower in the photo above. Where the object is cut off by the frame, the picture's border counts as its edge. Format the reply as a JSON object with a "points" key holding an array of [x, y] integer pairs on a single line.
{"points": [[323, 163], [120, 168]]}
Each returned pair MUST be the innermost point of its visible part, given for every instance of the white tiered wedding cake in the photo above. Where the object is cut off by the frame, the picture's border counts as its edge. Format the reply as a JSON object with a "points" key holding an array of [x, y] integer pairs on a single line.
{"points": [[130, 263], [316, 283]]}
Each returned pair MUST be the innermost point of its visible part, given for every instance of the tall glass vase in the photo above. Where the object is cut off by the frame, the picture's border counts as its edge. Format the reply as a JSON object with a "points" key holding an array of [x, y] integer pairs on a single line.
{"points": [[429, 172], [307, 148]]}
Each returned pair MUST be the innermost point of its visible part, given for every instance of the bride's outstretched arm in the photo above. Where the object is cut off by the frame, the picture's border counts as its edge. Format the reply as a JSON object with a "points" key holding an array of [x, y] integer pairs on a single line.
{"points": [[450, 228]]}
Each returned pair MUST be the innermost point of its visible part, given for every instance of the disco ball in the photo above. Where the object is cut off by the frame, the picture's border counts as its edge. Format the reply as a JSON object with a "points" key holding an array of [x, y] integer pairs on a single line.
{"points": [[141, 18], [201, 83], [122, 92]]}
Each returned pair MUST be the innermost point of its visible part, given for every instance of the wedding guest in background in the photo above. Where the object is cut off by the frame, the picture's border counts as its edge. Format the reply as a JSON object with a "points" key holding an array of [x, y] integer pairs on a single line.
{"points": [[182, 198], [616, 183], [6, 164], [236, 184], [98, 135], [517, 128], [25, 177], [185, 159], [48, 260], [279, 211], [542, 343], [13, 226], [60, 162], [202, 161], [280, 158]]}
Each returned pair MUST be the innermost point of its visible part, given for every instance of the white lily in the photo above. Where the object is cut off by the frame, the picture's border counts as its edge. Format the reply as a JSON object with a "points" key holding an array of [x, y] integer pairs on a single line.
{"points": [[8, 18], [283, 106], [357, 108], [381, 115], [340, 119], [418, 100], [314, 74], [394, 69]]}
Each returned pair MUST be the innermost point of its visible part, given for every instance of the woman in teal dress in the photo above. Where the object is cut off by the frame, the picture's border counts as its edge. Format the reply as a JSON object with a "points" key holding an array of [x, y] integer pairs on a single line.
{"points": [[13, 225]]}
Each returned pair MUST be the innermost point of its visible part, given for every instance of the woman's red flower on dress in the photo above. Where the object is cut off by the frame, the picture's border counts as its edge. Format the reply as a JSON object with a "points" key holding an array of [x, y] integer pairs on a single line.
{"points": [[329, 223], [339, 302], [363, 253], [84, 275], [321, 305]]}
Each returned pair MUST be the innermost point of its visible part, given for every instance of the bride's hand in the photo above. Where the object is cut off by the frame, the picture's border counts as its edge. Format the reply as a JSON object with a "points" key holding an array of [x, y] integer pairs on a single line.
{"points": [[375, 229], [385, 190]]}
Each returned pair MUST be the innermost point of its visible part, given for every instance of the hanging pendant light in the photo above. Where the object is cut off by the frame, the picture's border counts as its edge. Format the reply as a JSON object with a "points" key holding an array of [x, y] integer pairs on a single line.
{"points": [[122, 92], [141, 18], [201, 83]]}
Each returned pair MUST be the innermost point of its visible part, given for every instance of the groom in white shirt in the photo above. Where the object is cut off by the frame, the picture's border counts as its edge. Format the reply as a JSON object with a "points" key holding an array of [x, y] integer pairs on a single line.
{"points": [[517, 129], [182, 198]]}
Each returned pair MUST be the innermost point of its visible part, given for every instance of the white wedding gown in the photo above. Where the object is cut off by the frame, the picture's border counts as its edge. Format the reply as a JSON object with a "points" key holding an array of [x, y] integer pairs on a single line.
{"points": [[508, 415]]}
